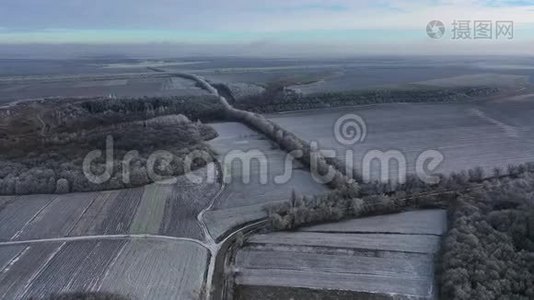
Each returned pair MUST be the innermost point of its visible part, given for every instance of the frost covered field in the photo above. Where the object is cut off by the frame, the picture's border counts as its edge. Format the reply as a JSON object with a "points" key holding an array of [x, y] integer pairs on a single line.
{"points": [[241, 202], [139, 268], [109, 85], [154, 209], [144, 242], [356, 258], [489, 134]]}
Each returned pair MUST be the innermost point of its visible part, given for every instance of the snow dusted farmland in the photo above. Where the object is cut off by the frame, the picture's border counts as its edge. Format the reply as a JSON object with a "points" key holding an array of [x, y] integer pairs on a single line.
{"points": [[244, 202], [367, 257], [154, 269], [118, 85], [488, 134], [135, 268], [98, 242], [168, 209], [166, 213], [172, 210]]}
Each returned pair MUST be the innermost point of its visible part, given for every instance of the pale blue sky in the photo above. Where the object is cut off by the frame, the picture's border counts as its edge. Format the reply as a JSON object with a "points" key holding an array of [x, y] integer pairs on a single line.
{"points": [[369, 24]]}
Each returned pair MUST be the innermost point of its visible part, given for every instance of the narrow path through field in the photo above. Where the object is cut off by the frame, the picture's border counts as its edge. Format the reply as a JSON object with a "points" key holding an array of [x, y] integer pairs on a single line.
{"points": [[105, 237], [510, 131], [212, 245], [43, 128]]}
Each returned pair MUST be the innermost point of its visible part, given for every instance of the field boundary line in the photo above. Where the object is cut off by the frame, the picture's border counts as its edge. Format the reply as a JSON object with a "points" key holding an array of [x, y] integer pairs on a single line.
{"points": [[106, 237]]}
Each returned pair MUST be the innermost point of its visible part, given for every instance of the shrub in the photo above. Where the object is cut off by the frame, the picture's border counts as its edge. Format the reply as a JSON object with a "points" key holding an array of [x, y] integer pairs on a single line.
{"points": [[62, 186]]}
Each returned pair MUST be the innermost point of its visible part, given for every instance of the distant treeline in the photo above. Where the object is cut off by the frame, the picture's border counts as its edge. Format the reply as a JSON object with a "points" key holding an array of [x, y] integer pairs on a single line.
{"points": [[205, 108], [276, 98], [73, 116]]}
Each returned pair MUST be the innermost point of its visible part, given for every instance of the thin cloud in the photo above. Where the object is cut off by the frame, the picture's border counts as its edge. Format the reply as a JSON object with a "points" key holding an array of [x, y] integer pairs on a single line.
{"points": [[326, 23]]}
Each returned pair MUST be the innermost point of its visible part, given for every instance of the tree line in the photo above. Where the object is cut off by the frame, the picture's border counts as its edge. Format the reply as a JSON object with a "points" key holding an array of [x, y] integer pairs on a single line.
{"points": [[299, 148], [277, 98], [377, 197]]}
